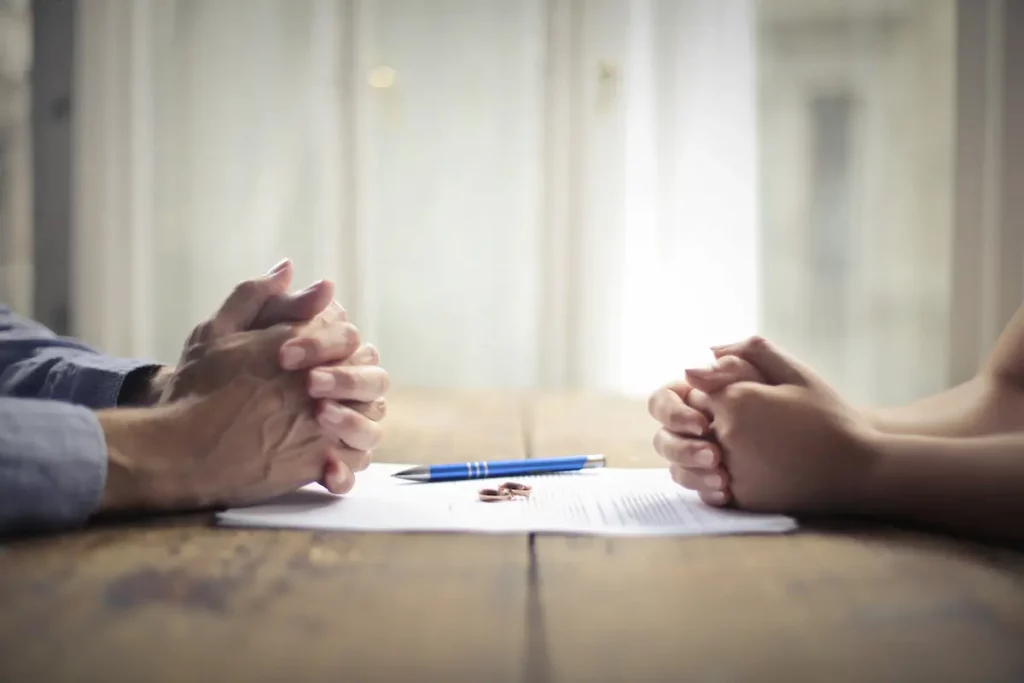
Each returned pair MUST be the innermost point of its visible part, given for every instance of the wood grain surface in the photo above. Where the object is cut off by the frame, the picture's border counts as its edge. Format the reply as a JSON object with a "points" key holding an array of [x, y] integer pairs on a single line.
{"points": [[180, 600], [824, 605], [175, 599]]}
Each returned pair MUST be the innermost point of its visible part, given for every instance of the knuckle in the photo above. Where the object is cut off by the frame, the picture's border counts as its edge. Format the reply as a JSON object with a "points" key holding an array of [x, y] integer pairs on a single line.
{"points": [[732, 363], [279, 333], [354, 459], [202, 333], [349, 332], [657, 406], [247, 288], [757, 343], [358, 431], [344, 379], [372, 434], [697, 401], [214, 329], [668, 445], [372, 355], [661, 407], [725, 430], [384, 381], [333, 315], [687, 478], [349, 421], [362, 461], [379, 407], [657, 442], [739, 396], [652, 403], [681, 421]]}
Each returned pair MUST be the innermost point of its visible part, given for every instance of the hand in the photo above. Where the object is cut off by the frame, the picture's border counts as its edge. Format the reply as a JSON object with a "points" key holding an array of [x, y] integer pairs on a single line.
{"points": [[686, 439], [239, 430], [792, 445], [342, 377]]}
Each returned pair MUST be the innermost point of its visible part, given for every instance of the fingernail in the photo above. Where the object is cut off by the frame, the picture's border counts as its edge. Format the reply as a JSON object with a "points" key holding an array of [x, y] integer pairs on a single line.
{"points": [[320, 382], [281, 265], [291, 356], [704, 458], [717, 497], [713, 481]]}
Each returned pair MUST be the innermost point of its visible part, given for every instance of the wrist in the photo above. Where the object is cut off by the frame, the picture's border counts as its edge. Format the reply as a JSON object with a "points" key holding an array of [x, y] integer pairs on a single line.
{"points": [[880, 420], [885, 482], [144, 386], [140, 443], [860, 444]]}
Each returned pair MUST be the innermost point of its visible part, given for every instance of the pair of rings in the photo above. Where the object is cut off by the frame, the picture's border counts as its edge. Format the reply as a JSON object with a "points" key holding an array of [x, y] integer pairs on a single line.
{"points": [[506, 491]]}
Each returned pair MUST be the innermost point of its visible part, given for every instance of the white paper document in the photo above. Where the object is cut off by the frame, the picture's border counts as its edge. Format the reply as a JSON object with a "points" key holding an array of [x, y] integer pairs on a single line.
{"points": [[606, 501]]}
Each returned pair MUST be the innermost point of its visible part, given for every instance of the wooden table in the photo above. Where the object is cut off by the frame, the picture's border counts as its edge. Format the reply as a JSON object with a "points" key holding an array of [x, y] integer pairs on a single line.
{"points": [[178, 600]]}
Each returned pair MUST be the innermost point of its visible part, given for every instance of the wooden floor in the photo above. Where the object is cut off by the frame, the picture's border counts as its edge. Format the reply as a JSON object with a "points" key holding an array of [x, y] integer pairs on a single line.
{"points": [[176, 599]]}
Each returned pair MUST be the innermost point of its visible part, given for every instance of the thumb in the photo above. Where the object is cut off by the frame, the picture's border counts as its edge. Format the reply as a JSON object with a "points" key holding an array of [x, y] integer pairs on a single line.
{"points": [[240, 310], [777, 366], [298, 308], [726, 370]]}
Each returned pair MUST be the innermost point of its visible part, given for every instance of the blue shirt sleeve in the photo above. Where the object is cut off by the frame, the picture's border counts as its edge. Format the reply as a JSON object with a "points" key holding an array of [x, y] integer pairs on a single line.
{"points": [[36, 363], [53, 464], [53, 454]]}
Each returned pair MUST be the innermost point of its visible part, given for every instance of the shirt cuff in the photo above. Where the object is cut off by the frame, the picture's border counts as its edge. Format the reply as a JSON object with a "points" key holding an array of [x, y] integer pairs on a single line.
{"points": [[53, 464], [95, 381]]}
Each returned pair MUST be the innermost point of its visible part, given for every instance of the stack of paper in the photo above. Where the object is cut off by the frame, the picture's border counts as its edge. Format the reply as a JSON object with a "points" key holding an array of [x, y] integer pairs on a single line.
{"points": [[607, 501]]}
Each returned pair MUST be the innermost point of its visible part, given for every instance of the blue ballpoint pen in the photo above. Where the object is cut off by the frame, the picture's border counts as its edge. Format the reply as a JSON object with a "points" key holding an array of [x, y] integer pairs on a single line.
{"points": [[499, 468]]}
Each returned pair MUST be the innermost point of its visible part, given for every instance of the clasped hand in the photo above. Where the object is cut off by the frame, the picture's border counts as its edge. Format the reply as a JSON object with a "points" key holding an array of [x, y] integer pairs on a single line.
{"points": [[272, 392], [762, 431]]}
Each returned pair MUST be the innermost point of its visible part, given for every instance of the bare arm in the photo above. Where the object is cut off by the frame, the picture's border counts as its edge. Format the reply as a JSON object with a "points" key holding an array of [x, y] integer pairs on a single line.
{"points": [[957, 459], [982, 405], [969, 485], [992, 402]]}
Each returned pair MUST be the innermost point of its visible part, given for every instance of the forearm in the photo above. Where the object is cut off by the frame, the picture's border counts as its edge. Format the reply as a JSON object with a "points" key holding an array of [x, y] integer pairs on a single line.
{"points": [[136, 441], [983, 405], [969, 485]]}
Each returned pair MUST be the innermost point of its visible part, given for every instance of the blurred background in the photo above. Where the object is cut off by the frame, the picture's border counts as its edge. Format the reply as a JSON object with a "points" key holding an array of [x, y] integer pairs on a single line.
{"points": [[526, 193]]}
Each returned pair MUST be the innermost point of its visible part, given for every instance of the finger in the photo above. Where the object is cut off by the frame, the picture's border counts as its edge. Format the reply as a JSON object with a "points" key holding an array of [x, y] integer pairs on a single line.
{"points": [[777, 366], [698, 400], [319, 344], [687, 452], [317, 299], [245, 302], [727, 370], [367, 354], [338, 477], [349, 382], [357, 461], [716, 498], [348, 426], [669, 408], [738, 399], [375, 410], [700, 480]]}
